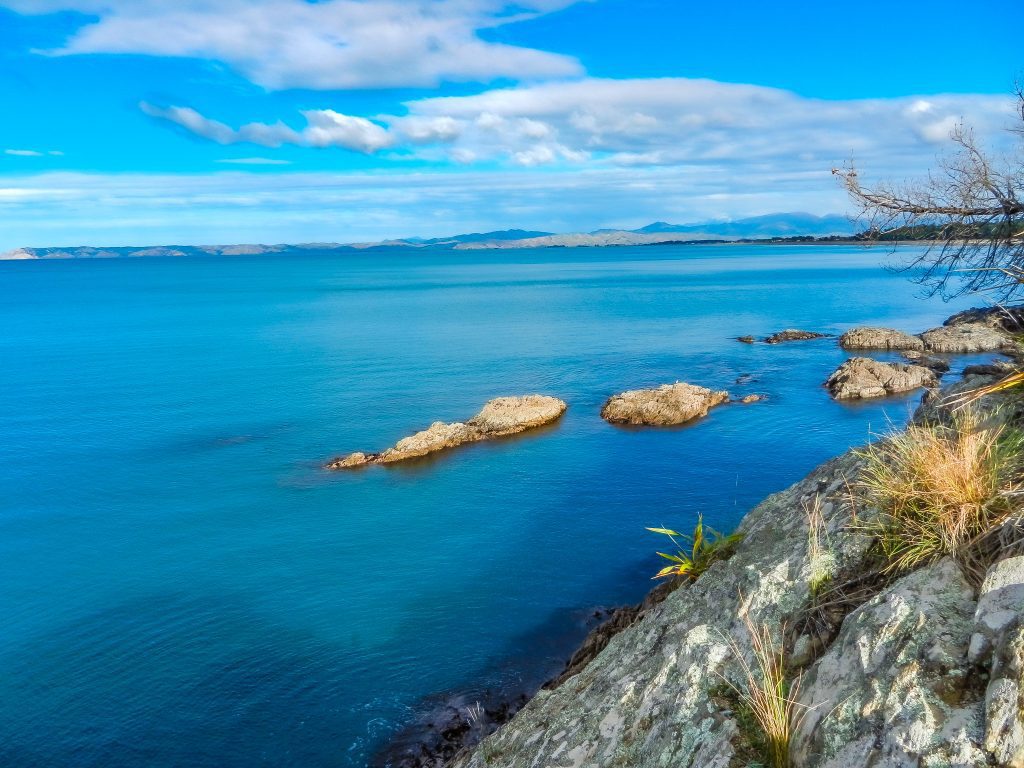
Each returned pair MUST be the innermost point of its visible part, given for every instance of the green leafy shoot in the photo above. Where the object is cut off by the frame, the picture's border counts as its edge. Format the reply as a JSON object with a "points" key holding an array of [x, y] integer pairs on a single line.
{"points": [[696, 552]]}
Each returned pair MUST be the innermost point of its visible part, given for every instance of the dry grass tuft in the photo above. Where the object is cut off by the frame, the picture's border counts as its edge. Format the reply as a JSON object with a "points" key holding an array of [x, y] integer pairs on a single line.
{"points": [[940, 489], [770, 699]]}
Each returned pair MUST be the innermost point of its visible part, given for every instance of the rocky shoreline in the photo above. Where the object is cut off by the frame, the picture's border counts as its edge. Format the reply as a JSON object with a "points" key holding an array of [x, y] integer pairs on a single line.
{"points": [[641, 689]]}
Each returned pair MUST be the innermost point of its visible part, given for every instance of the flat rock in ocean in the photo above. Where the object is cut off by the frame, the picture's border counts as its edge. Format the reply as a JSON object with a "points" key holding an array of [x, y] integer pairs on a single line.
{"points": [[867, 337], [965, 338], [667, 405], [500, 416], [860, 378]]}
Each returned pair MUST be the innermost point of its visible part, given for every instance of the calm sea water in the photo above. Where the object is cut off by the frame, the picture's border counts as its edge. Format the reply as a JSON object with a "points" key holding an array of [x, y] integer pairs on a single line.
{"points": [[183, 585]]}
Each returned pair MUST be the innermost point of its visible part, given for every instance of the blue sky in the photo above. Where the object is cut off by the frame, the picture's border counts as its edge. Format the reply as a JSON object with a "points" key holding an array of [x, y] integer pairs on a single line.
{"points": [[194, 121]]}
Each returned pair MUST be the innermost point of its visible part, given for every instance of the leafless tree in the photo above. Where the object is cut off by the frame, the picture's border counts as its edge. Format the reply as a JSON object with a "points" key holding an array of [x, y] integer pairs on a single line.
{"points": [[971, 210]]}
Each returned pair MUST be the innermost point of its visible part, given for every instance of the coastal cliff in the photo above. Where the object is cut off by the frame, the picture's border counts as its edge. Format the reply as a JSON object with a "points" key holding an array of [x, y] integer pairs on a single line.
{"points": [[922, 667]]}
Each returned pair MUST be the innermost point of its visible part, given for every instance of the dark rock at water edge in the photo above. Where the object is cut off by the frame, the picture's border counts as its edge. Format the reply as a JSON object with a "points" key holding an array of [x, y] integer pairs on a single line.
{"points": [[793, 334]]}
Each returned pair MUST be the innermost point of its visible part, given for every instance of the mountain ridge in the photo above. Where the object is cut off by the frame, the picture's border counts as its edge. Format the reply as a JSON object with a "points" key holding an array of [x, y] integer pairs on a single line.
{"points": [[767, 226]]}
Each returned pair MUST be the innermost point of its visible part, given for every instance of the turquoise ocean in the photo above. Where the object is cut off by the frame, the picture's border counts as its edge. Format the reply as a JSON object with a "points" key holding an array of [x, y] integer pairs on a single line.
{"points": [[181, 584]]}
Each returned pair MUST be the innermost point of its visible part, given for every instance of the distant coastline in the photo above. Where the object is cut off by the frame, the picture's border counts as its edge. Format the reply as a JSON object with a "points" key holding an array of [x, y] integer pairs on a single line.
{"points": [[779, 227]]}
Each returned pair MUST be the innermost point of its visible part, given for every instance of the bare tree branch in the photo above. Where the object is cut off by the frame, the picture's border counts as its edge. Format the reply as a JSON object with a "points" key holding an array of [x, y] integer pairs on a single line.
{"points": [[970, 211]]}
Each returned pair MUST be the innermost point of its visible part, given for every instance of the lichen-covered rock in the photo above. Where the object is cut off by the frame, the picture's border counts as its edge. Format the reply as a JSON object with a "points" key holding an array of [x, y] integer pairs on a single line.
{"points": [[892, 690], [867, 337], [998, 642], [965, 338], [1000, 604], [1004, 701], [499, 417], [646, 700], [667, 405], [862, 378], [793, 334]]}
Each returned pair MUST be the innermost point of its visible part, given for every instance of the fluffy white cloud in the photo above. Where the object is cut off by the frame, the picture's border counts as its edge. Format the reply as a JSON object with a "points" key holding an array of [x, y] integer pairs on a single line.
{"points": [[324, 128], [667, 121], [331, 44], [678, 120]]}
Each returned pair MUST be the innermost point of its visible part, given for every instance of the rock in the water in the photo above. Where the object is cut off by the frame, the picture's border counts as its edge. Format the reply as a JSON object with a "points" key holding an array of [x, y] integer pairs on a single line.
{"points": [[436, 437], [965, 338], [357, 459], [792, 334], [500, 416], [511, 415], [995, 368], [1009, 319], [751, 399], [862, 378], [746, 339], [867, 337], [937, 364], [668, 404]]}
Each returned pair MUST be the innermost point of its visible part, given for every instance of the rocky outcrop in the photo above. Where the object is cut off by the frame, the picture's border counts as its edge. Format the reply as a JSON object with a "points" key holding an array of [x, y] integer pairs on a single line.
{"points": [[998, 643], [667, 405], [1009, 319], [792, 334], [866, 337], [964, 338], [647, 700], [746, 339], [499, 417], [863, 378], [895, 684], [905, 682]]}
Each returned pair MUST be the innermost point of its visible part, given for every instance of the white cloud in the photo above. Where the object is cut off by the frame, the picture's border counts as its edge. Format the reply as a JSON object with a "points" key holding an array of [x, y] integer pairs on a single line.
{"points": [[678, 120], [328, 128], [324, 128], [331, 44], [668, 121], [23, 152]]}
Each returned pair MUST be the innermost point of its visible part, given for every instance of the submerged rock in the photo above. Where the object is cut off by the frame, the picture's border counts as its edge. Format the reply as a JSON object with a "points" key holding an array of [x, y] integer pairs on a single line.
{"points": [[667, 405], [866, 337], [964, 338], [862, 378], [500, 416], [792, 334], [746, 339]]}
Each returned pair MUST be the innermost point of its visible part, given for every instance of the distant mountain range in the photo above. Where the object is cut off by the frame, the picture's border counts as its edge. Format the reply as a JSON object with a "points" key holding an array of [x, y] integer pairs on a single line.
{"points": [[775, 225]]}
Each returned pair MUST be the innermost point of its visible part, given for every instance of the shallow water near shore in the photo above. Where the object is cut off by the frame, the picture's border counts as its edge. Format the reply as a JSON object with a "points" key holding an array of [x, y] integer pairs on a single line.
{"points": [[184, 585]]}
